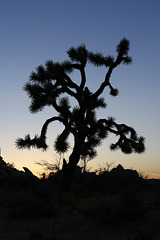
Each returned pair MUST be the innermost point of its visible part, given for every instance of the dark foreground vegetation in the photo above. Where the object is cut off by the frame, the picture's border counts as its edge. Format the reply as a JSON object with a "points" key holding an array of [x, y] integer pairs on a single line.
{"points": [[116, 205]]}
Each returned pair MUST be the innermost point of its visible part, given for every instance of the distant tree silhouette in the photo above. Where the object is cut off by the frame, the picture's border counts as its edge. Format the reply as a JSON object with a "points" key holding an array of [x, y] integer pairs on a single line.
{"points": [[51, 85]]}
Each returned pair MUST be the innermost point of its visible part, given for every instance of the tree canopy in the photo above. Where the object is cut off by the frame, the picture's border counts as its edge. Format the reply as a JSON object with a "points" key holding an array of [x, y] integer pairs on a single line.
{"points": [[51, 85]]}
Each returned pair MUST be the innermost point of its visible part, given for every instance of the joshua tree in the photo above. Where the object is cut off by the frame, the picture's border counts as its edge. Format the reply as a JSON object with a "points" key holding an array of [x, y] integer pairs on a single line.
{"points": [[51, 85]]}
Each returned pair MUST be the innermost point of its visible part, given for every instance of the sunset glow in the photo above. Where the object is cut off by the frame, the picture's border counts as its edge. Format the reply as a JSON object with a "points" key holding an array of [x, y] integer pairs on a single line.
{"points": [[33, 32]]}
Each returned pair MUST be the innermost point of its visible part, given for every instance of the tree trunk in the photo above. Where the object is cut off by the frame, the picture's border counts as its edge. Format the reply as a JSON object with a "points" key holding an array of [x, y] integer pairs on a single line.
{"points": [[68, 169], [67, 177]]}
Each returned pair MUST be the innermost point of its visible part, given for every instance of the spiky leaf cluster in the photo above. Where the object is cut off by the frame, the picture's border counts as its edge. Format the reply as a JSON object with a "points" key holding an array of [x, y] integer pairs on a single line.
{"points": [[123, 47], [98, 59], [61, 144], [50, 71], [128, 141], [96, 132], [78, 54], [98, 103], [27, 142], [64, 105], [122, 50], [114, 92], [128, 146]]}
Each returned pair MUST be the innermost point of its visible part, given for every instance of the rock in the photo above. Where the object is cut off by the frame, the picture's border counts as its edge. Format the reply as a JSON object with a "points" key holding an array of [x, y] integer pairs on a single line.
{"points": [[7, 171], [28, 172], [120, 177]]}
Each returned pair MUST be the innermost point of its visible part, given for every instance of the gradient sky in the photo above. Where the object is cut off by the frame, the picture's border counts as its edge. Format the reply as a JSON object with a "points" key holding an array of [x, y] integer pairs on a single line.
{"points": [[33, 31]]}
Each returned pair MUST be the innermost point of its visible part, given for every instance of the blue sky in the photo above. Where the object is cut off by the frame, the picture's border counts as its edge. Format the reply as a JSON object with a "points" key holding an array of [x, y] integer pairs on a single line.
{"points": [[34, 31]]}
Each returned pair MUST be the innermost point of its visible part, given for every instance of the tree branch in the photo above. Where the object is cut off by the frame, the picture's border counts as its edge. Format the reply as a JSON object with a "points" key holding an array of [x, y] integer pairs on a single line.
{"points": [[83, 78], [106, 82], [70, 83], [45, 126]]}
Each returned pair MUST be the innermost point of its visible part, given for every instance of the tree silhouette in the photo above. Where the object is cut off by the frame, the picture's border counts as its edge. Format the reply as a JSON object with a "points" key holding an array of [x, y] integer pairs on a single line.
{"points": [[51, 85]]}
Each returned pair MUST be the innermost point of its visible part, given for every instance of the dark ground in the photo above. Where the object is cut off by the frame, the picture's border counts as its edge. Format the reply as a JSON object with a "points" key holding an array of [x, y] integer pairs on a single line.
{"points": [[97, 208]]}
